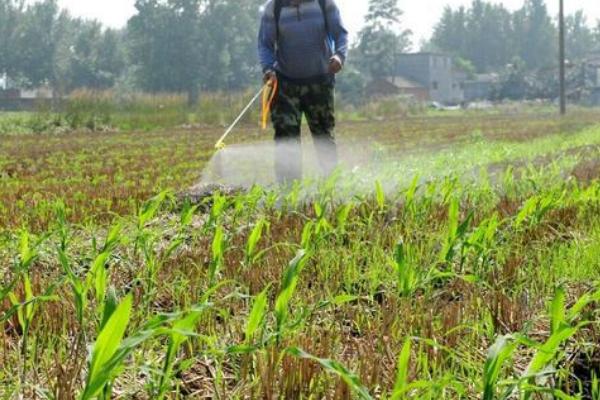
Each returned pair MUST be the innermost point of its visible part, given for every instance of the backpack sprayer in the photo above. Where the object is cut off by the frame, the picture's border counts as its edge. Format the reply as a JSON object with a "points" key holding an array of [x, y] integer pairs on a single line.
{"points": [[268, 91]]}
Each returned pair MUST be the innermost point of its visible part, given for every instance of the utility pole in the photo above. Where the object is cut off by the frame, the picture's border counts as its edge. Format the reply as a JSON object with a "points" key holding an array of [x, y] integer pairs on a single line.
{"points": [[562, 62]]}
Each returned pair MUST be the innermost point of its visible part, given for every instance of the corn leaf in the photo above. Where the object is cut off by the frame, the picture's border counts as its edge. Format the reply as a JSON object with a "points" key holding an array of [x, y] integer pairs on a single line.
{"points": [[106, 346], [336, 368], [401, 384], [257, 314]]}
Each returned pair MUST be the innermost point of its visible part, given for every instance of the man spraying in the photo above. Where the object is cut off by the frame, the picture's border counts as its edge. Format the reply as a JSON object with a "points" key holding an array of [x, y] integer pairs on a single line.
{"points": [[303, 45]]}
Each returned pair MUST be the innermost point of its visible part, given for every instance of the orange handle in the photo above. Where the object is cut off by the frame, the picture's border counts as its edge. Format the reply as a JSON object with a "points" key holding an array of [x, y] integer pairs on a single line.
{"points": [[267, 100]]}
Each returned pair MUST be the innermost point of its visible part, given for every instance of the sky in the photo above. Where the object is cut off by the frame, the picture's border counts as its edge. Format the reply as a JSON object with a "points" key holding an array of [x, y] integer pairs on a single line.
{"points": [[419, 16]]}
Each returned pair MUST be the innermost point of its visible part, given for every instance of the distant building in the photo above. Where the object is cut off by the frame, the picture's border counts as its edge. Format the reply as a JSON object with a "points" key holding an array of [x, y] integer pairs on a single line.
{"points": [[14, 99], [397, 85], [592, 72], [434, 72], [480, 87]]}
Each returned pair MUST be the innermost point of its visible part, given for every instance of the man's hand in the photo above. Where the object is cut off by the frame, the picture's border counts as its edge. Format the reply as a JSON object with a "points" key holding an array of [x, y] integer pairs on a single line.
{"points": [[335, 65], [269, 76]]}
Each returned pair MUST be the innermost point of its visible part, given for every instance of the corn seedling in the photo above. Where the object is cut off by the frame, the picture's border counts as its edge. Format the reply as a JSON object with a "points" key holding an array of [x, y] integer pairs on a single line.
{"points": [[380, 196], [253, 240], [341, 217], [336, 368], [257, 316], [562, 329], [456, 231], [182, 329], [287, 289], [497, 356], [101, 372], [99, 269], [536, 208], [218, 254], [407, 275], [402, 379]]}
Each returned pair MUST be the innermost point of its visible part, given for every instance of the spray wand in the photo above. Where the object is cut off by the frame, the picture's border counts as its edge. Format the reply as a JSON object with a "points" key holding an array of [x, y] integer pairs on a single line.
{"points": [[269, 91]]}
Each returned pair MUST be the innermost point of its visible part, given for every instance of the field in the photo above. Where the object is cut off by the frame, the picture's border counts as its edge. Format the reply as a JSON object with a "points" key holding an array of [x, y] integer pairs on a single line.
{"points": [[463, 263]]}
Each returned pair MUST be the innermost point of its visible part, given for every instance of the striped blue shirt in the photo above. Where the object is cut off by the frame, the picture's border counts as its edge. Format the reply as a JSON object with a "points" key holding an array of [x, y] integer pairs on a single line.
{"points": [[304, 48]]}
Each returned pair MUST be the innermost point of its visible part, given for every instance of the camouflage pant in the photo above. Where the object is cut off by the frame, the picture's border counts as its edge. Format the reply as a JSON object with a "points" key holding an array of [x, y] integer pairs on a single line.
{"points": [[316, 102]]}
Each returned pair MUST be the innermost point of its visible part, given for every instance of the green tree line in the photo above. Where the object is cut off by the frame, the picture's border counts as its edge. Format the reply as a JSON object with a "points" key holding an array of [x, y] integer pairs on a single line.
{"points": [[492, 37], [167, 46], [207, 45]]}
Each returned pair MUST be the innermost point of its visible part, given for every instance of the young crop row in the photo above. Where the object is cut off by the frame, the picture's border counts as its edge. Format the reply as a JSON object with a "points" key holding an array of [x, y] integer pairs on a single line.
{"points": [[444, 289], [103, 175]]}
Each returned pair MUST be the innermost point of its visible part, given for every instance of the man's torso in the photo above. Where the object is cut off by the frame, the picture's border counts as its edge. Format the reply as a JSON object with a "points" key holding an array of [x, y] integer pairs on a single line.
{"points": [[303, 48]]}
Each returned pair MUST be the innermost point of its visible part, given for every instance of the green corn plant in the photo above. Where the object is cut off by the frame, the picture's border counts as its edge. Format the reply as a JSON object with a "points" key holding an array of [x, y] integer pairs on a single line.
{"points": [[257, 316], [149, 241], [308, 232], [101, 370], [78, 287], [535, 208], [380, 196], [498, 354], [508, 180], [218, 254], [292, 199], [182, 329], [342, 216], [288, 287], [186, 216], [149, 210], [595, 387], [27, 256], [154, 261], [335, 368], [253, 240], [61, 221], [562, 329], [25, 312], [98, 271], [322, 226], [558, 314], [407, 275], [402, 379], [449, 186], [219, 204], [481, 241], [108, 359], [26, 308], [456, 231], [410, 196]]}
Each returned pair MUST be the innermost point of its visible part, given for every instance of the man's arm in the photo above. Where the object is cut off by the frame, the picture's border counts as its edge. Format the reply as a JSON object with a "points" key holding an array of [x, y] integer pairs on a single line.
{"points": [[338, 31], [266, 39]]}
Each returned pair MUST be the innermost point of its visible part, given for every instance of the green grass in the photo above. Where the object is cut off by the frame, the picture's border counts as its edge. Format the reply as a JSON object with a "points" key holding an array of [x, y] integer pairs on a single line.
{"points": [[463, 264]]}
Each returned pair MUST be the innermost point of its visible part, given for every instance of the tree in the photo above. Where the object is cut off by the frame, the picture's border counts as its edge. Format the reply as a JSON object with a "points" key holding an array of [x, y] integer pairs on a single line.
{"points": [[597, 36], [10, 14], [229, 30], [579, 37], [481, 34], [450, 33], [97, 57], [489, 33], [37, 38], [513, 83], [382, 39], [165, 44], [535, 35]]}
